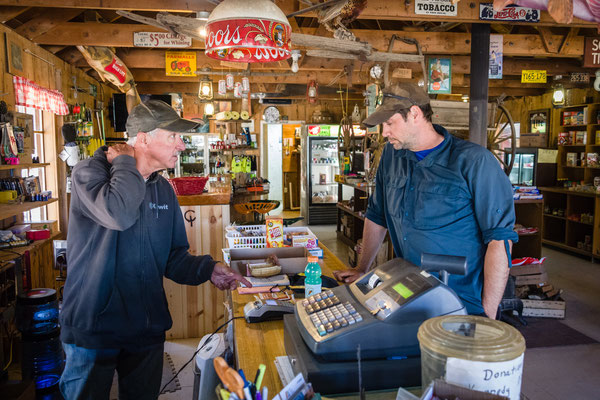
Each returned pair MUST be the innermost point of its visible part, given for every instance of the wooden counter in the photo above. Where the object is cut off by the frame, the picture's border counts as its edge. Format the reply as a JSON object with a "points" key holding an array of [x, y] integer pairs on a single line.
{"points": [[198, 310], [259, 343], [205, 199]]}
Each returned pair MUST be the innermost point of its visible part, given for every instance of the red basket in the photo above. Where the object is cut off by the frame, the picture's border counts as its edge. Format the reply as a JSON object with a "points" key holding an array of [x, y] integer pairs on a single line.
{"points": [[188, 186]]}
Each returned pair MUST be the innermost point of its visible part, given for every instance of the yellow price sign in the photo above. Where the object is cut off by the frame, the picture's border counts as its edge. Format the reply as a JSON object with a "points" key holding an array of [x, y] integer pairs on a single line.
{"points": [[180, 63], [533, 76]]}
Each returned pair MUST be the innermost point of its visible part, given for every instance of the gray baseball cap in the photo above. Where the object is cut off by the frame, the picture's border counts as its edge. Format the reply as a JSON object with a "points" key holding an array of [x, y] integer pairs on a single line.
{"points": [[397, 97], [154, 114]]}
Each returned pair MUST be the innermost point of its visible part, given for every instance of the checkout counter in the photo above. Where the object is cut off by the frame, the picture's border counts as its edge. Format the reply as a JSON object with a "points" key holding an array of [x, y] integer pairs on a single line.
{"points": [[385, 309]]}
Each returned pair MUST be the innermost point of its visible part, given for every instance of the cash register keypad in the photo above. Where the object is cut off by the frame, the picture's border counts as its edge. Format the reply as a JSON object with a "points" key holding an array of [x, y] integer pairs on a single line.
{"points": [[328, 314]]}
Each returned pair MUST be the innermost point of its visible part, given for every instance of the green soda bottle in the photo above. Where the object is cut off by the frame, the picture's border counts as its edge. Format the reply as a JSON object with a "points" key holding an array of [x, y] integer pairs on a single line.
{"points": [[312, 280]]}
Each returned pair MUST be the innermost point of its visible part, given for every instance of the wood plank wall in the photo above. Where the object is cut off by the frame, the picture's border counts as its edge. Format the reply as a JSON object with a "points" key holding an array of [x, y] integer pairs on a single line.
{"points": [[199, 310]]}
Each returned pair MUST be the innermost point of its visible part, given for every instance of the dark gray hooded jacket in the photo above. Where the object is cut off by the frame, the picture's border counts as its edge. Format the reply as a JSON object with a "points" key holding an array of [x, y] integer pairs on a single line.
{"points": [[125, 235]]}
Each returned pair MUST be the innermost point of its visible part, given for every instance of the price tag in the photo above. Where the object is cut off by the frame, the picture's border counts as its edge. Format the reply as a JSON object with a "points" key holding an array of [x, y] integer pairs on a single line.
{"points": [[533, 76]]}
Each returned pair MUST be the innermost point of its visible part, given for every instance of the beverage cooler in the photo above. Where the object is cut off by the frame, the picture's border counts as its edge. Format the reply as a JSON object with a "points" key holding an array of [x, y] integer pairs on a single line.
{"points": [[195, 159], [523, 172], [318, 169]]}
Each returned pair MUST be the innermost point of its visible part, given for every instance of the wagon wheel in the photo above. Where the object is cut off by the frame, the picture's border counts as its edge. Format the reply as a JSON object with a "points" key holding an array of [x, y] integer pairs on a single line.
{"points": [[346, 146], [498, 134], [373, 143]]}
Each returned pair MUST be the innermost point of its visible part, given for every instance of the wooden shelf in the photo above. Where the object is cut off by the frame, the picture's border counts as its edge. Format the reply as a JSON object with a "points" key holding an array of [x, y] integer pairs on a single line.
{"points": [[565, 191], [23, 166], [534, 234], [529, 201], [349, 211], [9, 253], [8, 210], [567, 247], [572, 145], [345, 239], [575, 126], [579, 222], [554, 216]]}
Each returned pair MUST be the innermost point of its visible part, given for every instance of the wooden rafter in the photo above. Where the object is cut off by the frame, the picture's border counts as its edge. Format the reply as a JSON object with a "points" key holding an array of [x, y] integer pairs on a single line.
{"points": [[546, 36], [46, 20], [376, 10], [8, 13], [451, 43], [566, 42]]}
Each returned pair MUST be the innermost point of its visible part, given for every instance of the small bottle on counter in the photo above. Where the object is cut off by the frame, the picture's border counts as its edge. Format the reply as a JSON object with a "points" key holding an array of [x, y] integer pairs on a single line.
{"points": [[312, 280]]}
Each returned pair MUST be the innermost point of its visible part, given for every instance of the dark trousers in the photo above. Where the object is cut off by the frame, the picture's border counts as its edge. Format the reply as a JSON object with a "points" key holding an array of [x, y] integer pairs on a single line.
{"points": [[89, 373]]}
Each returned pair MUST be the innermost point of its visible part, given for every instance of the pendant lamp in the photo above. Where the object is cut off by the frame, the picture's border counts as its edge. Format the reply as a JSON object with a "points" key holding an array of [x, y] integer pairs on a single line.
{"points": [[248, 31]]}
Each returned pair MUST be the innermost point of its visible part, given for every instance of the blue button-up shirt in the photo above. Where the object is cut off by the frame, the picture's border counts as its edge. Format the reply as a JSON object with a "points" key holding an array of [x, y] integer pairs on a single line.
{"points": [[453, 202]]}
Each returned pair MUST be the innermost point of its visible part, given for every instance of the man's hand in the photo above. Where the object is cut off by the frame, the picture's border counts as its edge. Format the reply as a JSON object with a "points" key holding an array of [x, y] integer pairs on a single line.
{"points": [[348, 275], [225, 278], [118, 150]]}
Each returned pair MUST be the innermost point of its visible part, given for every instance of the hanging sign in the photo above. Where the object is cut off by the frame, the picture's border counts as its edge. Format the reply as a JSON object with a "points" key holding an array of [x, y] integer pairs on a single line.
{"points": [[180, 63], [533, 76], [160, 39], [402, 73], [580, 77], [510, 13], [591, 52], [440, 76], [496, 48], [435, 7]]}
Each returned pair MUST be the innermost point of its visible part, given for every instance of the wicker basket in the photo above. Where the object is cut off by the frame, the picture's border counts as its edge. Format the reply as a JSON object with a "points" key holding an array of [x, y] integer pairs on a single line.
{"points": [[188, 186]]}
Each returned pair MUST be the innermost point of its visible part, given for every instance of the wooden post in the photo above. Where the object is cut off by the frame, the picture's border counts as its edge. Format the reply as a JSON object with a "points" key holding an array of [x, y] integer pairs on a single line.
{"points": [[480, 61]]}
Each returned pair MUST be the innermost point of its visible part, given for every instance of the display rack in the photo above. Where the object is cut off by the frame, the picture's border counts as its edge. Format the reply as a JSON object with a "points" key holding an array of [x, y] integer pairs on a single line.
{"points": [[529, 214], [563, 226], [587, 127]]}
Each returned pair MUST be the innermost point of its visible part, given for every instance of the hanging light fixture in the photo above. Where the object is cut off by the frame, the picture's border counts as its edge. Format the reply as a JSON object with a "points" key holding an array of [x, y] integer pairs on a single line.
{"points": [[312, 91], [205, 90], [209, 108], [202, 16], [248, 31], [558, 96]]}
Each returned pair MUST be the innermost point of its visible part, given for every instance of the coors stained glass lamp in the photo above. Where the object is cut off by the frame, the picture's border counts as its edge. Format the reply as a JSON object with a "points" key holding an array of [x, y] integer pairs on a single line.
{"points": [[248, 31]]}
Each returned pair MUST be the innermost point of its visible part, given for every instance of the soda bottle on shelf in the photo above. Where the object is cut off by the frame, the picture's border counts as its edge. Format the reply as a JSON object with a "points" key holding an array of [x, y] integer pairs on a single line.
{"points": [[312, 279]]}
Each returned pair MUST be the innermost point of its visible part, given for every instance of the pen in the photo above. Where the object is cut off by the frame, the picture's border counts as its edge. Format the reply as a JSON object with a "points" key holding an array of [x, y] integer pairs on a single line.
{"points": [[247, 393], [260, 373], [258, 396], [241, 372], [265, 393], [225, 394]]}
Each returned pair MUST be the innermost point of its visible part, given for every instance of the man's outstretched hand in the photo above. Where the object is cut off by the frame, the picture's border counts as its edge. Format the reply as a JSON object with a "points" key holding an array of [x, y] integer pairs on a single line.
{"points": [[225, 278], [347, 275]]}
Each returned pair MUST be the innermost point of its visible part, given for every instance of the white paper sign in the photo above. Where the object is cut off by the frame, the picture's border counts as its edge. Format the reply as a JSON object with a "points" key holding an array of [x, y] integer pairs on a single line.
{"points": [[435, 7], [496, 48], [160, 39], [501, 378]]}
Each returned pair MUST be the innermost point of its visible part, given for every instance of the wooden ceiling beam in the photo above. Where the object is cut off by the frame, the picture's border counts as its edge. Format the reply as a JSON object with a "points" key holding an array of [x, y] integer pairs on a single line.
{"points": [[324, 78], [46, 20], [442, 43], [467, 11], [8, 13], [174, 87], [147, 5], [155, 59]]}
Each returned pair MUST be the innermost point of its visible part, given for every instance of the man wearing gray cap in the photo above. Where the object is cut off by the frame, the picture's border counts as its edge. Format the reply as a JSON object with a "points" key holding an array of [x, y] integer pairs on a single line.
{"points": [[125, 234], [438, 194]]}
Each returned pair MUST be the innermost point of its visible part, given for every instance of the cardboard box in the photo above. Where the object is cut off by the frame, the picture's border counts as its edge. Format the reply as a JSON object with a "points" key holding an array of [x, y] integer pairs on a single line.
{"points": [[544, 308], [293, 260], [49, 224], [533, 140], [527, 269], [531, 279]]}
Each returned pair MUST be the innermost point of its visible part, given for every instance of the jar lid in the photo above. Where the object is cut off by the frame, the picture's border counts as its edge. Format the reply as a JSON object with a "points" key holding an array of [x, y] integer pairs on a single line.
{"points": [[471, 337], [37, 296]]}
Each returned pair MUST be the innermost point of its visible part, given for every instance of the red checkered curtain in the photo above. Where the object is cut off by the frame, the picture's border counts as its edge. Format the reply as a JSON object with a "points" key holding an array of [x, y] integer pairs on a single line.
{"points": [[30, 94]]}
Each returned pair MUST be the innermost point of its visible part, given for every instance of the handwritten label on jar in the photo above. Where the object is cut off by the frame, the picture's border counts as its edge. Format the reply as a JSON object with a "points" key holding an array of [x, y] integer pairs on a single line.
{"points": [[501, 378]]}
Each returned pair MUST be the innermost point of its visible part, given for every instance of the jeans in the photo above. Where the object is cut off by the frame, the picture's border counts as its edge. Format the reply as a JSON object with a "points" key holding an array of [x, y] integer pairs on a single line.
{"points": [[89, 373]]}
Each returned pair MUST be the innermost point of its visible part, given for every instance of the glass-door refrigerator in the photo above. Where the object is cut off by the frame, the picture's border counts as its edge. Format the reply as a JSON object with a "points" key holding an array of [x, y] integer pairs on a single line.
{"points": [[318, 170], [196, 159], [524, 167]]}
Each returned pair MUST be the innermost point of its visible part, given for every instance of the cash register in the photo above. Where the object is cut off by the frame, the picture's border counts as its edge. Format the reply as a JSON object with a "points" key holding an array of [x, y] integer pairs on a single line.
{"points": [[375, 319]]}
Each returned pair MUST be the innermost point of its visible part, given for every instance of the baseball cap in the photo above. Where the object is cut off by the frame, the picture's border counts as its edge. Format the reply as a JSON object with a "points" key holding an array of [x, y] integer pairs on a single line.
{"points": [[397, 97], [154, 114]]}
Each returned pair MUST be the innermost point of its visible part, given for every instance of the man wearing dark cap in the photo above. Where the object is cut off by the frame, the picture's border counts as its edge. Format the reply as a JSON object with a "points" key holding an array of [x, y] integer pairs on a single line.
{"points": [[438, 194], [126, 233]]}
